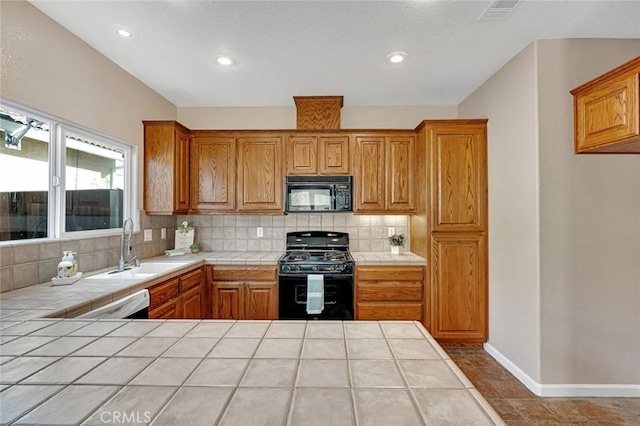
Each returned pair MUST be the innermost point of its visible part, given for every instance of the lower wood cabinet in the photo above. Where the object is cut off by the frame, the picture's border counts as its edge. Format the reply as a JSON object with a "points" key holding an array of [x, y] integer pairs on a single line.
{"points": [[244, 292], [458, 286], [180, 297], [389, 292]]}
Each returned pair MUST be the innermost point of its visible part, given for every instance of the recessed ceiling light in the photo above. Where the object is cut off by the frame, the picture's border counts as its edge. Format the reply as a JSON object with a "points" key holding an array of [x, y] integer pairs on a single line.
{"points": [[224, 60], [122, 31], [396, 57]]}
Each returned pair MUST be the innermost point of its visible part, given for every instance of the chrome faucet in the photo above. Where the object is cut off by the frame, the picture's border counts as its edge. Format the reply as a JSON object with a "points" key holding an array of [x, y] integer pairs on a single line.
{"points": [[122, 264]]}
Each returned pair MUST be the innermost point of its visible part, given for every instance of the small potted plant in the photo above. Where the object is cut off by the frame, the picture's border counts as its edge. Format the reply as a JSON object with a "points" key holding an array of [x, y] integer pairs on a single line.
{"points": [[184, 227], [195, 247], [396, 241]]}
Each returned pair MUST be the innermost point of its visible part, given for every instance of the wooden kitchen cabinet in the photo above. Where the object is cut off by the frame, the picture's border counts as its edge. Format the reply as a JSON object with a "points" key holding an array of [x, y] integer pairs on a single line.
{"points": [[244, 292], [180, 297], [451, 229], [302, 155], [458, 178], [607, 112], [384, 167], [459, 287], [213, 173], [389, 292], [318, 155], [166, 168], [260, 173]]}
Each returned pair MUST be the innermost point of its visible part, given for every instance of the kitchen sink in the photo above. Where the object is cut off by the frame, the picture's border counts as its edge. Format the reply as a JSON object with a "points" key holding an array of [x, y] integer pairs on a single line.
{"points": [[145, 270]]}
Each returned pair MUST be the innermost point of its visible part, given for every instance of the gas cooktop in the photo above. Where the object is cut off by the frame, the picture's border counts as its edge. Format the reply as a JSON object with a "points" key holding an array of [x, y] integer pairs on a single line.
{"points": [[317, 252]]}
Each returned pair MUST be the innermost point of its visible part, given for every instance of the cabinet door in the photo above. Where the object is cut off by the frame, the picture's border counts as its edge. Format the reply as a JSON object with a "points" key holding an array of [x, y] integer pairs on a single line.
{"points": [[181, 171], [213, 173], [302, 155], [333, 155], [608, 115], [170, 310], [458, 287], [192, 303], [166, 167], [260, 177], [228, 302], [369, 170], [261, 301], [400, 173], [458, 178]]}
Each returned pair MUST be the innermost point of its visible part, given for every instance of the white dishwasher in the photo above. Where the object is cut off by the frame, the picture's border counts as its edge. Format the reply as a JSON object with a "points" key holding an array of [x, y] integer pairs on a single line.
{"points": [[134, 306]]}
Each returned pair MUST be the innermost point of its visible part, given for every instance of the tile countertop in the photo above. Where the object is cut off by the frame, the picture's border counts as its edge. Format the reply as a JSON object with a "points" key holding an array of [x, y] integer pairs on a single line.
{"points": [[98, 289], [232, 373]]}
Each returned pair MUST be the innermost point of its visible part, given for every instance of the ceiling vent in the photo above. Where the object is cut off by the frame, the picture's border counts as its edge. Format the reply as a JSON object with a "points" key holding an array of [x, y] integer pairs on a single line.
{"points": [[498, 9]]}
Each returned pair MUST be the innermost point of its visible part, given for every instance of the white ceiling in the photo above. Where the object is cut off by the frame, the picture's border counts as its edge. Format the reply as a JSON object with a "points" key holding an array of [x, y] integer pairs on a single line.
{"points": [[289, 48]]}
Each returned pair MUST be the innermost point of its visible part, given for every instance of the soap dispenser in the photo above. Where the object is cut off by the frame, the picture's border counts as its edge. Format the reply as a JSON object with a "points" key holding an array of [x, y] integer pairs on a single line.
{"points": [[68, 266]]}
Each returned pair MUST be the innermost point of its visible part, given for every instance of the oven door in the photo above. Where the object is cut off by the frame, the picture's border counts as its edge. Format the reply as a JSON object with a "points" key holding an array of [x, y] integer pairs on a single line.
{"points": [[338, 297]]}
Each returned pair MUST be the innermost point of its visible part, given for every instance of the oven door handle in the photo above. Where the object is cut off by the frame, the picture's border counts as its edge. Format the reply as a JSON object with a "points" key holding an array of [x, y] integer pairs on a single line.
{"points": [[327, 277]]}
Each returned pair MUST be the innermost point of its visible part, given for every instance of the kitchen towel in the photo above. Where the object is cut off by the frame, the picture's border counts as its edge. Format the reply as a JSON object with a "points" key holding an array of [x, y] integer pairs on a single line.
{"points": [[315, 294], [174, 252]]}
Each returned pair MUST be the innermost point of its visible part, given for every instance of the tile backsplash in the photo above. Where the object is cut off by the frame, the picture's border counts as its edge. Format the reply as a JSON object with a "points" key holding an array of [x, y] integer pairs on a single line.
{"points": [[239, 232], [26, 263]]}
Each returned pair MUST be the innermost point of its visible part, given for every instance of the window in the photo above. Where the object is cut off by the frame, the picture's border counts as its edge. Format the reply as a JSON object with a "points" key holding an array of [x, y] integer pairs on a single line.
{"points": [[60, 180]]}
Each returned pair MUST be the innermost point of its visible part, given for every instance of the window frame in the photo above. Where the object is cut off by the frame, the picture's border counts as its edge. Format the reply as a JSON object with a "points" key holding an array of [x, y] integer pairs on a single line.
{"points": [[56, 212]]}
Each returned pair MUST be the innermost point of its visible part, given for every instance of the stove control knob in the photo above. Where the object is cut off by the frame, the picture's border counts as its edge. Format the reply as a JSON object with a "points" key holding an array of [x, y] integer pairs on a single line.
{"points": [[297, 267], [315, 268]]}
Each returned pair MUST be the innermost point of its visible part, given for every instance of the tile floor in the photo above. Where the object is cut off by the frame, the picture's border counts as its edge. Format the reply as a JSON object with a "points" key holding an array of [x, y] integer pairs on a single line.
{"points": [[518, 406], [233, 373]]}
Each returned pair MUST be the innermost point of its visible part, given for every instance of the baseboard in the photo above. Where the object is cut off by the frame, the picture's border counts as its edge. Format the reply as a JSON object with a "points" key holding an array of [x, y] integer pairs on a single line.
{"points": [[562, 390]]}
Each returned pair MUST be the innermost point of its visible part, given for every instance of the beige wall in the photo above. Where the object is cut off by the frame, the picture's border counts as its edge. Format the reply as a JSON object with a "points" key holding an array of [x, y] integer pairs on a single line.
{"points": [[564, 235], [47, 68], [590, 229], [381, 117], [508, 100]]}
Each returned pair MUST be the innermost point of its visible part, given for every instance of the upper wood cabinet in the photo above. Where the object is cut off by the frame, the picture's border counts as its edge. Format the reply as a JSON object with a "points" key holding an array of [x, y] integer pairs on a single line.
{"points": [[318, 154], [369, 170], [459, 177], [260, 173], [166, 167], [213, 173], [302, 155], [384, 169], [607, 112]]}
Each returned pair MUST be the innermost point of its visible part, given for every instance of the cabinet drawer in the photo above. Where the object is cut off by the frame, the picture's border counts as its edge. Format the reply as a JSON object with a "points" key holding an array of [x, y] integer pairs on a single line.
{"points": [[170, 310], [389, 311], [389, 291], [390, 273], [163, 292], [190, 280], [244, 273]]}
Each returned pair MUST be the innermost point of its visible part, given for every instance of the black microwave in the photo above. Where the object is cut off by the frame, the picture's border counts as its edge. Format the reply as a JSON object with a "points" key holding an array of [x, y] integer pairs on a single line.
{"points": [[318, 194]]}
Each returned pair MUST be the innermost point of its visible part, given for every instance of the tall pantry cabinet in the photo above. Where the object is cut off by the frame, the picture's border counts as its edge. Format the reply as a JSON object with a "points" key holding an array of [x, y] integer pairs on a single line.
{"points": [[451, 229]]}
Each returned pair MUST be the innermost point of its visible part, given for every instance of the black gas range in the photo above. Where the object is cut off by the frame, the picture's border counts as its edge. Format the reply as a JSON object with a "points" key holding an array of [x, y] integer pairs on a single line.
{"points": [[316, 253]]}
